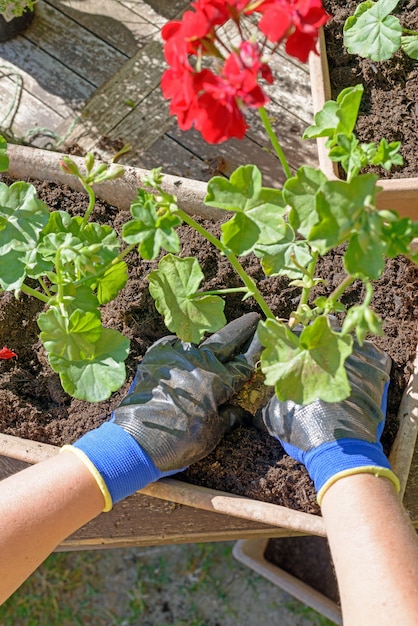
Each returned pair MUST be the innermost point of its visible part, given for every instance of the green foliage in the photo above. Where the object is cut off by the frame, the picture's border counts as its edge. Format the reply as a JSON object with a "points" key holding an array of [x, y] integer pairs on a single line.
{"points": [[79, 267], [14, 8], [322, 214], [287, 229], [373, 33], [174, 288], [336, 121]]}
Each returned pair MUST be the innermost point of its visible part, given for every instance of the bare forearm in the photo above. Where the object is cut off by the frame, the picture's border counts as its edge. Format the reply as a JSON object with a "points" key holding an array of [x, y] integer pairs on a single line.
{"points": [[41, 506], [375, 552]]}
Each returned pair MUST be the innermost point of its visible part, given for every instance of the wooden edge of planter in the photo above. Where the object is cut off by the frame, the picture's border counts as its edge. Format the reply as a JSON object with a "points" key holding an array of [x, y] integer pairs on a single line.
{"points": [[27, 162], [250, 552], [403, 448], [400, 194]]}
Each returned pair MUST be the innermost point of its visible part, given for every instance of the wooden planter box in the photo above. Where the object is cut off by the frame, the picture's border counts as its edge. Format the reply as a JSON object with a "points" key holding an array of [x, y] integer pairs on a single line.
{"points": [[400, 194], [171, 511], [250, 552]]}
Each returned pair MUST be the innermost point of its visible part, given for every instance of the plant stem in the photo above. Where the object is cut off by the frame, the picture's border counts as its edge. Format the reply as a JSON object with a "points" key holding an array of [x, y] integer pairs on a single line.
{"points": [[408, 31], [310, 271], [251, 287], [44, 287], [92, 202], [221, 292], [338, 291], [275, 143], [123, 254], [36, 294]]}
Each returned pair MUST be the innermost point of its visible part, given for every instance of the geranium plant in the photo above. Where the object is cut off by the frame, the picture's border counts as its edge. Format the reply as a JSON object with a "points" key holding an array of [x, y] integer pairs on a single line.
{"points": [[218, 57], [10, 9], [373, 32], [78, 266], [211, 80]]}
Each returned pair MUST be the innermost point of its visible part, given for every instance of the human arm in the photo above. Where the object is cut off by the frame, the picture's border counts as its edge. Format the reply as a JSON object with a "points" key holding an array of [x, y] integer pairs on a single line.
{"points": [[372, 541], [174, 414], [41, 506], [375, 551]]}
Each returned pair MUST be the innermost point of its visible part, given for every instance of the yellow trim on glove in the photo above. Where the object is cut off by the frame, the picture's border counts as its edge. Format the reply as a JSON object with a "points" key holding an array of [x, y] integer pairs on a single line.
{"points": [[96, 475], [367, 469]]}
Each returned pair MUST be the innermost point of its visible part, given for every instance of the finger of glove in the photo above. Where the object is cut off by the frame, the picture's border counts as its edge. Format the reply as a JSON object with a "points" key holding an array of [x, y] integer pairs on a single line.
{"points": [[231, 416], [232, 338]]}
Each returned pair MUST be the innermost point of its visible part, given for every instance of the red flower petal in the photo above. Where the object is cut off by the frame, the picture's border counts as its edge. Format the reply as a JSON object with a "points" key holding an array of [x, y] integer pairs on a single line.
{"points": [[5, 353]]}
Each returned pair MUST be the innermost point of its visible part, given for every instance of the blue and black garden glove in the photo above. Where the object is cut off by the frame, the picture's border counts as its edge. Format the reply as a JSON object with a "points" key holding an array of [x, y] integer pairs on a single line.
{"points": [[175, 413], [334, 440]]}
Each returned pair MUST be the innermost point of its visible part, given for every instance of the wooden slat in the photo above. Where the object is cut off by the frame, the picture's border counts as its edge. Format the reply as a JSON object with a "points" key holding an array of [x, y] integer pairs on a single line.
{"points": [[157, 12], [175, 159], [74, 46], [45, 77], [28, 114], [111, 21], [133, 92]]}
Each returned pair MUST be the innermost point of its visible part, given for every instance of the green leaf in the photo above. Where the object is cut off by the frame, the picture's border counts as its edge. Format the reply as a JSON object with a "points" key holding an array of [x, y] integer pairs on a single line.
{"points": [[398, 233], [13, 270], [238, 193], [4, 159], [340, 205], [278, 259], [362, 320], [244, 193], [98, 377], [326, 122], [305, 368], [300, 193], [387, 154], [371, 32], [337, 117], [240, 234], [365, 256], [349, 153], [409, 45], [74, 297], [71, 338], [150, 229], [22, 218], [111, 282], [173, 287]]}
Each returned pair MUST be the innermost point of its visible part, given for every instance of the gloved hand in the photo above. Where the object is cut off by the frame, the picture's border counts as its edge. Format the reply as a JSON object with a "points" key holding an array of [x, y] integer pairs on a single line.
{"points": [[334, 440], [175, 412]]}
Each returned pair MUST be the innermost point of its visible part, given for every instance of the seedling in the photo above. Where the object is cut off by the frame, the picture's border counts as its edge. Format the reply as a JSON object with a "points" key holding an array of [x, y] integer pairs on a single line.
{"points": [[373, 33]]}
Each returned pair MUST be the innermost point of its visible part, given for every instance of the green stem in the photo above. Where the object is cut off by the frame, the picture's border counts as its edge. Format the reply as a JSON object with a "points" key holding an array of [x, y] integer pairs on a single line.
{"points": [[369, 294], [92, 202], [275, 143], [36, 294], [407, 31], [338, 291], [124, 253], [250, 285], [310, 271], [44, 287], [221, 292]]}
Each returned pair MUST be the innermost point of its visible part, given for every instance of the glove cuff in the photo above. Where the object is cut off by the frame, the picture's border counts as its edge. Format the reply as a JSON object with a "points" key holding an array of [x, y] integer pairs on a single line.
{"points": [[331, 461], [116, 461], [384, 472]]}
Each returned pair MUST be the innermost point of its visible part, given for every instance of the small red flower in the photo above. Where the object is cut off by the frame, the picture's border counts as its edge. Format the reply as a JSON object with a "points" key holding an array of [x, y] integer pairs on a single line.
{"points": [[5, 353]]}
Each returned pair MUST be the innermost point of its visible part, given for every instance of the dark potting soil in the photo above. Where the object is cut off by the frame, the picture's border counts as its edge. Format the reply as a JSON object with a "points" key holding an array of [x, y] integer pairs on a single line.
{"points": [[389, 106], [247, 462], [308, 559]]}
